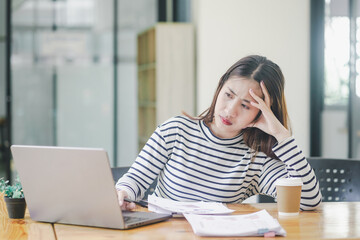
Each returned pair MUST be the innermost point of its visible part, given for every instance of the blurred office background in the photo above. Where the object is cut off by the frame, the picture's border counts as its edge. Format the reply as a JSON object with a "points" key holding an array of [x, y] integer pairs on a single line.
{"points": [[68, 68]]}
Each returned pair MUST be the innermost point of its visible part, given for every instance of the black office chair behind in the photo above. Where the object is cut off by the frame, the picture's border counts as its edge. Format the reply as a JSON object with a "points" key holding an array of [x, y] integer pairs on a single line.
{"points": [[118, 172], [339, 179]]}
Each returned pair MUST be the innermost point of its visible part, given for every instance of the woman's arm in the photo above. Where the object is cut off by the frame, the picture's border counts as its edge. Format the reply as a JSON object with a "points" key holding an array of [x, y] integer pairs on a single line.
{"points": [[146, 167], [292, 163]]}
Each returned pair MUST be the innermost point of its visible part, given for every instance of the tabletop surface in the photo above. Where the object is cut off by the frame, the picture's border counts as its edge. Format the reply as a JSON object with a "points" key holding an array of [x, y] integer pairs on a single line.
{"points": [[329, 221]]}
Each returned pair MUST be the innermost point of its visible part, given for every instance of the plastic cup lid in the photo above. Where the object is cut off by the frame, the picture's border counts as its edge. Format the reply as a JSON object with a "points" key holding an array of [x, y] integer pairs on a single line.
{"points": [[289, 182]]}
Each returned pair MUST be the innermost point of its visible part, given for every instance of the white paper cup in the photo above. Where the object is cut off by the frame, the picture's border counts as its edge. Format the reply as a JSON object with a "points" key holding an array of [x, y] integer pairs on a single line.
{"points": [[288, 196]]}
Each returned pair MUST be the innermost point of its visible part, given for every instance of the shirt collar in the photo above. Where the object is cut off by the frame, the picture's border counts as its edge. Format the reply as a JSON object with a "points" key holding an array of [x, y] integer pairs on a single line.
{"points": [[226, 142]]}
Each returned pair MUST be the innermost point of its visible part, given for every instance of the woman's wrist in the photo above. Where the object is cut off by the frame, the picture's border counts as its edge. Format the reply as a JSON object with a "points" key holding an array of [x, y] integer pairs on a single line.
{"points": [[282, 135]]}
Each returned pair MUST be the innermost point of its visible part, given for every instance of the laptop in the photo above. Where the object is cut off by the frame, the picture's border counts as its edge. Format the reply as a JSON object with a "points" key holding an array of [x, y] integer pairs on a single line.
{"points": [[73, 186]]}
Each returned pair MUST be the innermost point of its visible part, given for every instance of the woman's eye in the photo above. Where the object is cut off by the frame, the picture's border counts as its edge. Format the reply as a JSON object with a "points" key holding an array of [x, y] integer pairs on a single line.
{"points": [[228, 95], [245, 106]]}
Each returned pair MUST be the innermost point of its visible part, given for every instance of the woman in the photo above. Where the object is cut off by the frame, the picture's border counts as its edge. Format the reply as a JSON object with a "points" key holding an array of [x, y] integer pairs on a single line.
{"points": [[235, 149]]}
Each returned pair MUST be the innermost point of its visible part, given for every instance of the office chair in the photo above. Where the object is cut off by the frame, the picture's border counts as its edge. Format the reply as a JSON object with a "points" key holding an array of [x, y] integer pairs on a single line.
{"points": [[118, 172], [265, 199], [339, 179]]}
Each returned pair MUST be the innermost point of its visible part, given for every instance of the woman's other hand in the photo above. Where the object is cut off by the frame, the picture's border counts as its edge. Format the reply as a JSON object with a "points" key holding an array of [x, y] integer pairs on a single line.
{"points": [[124, 204]]}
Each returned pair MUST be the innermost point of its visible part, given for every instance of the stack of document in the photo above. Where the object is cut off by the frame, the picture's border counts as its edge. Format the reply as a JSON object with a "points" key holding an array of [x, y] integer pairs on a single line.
{"points": [[260, 223], [209, 219], [162, 205]]}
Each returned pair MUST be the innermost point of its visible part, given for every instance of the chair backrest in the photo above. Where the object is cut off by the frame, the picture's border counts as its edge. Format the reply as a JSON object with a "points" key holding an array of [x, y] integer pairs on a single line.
{"points": [[339, 179], [118, 172]]}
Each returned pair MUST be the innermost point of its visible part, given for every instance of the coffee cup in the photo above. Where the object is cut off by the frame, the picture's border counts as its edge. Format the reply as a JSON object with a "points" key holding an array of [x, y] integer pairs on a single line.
{"points": [[288, 196]]}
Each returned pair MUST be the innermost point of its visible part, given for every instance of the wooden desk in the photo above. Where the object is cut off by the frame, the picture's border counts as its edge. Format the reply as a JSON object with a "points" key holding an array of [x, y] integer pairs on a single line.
{"points": [[330, 220], [23, 228]]}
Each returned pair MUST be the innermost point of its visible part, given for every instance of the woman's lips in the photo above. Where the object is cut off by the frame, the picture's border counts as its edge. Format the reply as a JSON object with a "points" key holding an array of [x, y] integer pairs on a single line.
{"points": [[225, 121]]}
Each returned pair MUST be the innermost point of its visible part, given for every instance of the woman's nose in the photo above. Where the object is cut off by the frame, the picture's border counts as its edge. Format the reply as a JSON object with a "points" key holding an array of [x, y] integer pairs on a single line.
{"points": [[232, 109]]}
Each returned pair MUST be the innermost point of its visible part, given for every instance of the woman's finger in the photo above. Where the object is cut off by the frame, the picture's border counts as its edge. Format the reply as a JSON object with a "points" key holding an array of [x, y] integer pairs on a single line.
{"points": [[262, 106], [128, 206], [266, 94], [258, 99]]}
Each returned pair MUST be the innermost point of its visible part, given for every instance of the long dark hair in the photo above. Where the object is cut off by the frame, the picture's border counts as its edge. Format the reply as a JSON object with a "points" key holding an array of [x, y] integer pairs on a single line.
{"points": [[258, 68]]}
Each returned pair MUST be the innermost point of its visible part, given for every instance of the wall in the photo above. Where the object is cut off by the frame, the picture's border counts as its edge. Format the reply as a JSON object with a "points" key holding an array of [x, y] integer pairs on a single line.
{"points": [[279, 29]]}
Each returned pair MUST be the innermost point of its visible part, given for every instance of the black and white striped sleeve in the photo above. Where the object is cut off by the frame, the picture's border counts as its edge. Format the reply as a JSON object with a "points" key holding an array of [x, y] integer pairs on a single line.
{"points": [[146, 167], [292, 163]]}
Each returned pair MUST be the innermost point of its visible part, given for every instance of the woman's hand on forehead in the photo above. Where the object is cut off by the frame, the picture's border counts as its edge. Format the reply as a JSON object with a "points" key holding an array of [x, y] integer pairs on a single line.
{"points": [[267, 121]]}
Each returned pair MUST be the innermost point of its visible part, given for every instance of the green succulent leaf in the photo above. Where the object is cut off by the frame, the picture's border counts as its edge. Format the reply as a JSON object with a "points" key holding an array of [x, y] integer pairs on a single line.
{"points": [[17, 194], [11, 191]]}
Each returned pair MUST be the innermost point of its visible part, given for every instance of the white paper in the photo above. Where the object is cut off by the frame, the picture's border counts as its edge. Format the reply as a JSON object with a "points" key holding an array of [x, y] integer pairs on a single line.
{"points": [[254, 224], [162, 205]]}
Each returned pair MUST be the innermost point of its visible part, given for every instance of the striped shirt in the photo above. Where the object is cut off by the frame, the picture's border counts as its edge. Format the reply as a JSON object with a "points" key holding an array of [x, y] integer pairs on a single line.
{"points": [[192, 164]]}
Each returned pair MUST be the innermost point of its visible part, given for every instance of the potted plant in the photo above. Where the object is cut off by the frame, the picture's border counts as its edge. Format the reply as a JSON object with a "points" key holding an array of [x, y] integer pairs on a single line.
{"points": [[14, 198]]}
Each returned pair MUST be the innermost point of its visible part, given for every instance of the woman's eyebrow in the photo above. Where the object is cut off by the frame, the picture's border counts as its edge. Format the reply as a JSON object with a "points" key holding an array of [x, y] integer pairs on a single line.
{"points": [[245, 100], [232, 91]]}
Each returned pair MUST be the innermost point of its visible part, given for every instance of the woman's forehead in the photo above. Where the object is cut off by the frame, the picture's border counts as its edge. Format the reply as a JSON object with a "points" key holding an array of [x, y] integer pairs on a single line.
{"points": [[241, 86], [242, 83]]}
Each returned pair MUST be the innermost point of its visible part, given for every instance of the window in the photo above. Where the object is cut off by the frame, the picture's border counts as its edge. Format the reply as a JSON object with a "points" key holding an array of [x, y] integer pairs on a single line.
{"points": [[337, 53]]}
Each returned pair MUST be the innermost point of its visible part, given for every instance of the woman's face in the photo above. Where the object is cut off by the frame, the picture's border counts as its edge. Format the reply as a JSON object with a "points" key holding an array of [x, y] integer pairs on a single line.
{"points": [[233, 111]]}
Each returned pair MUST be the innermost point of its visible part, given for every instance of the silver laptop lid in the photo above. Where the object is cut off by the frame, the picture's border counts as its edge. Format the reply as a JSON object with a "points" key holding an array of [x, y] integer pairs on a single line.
{"points": [[68, 185]]}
